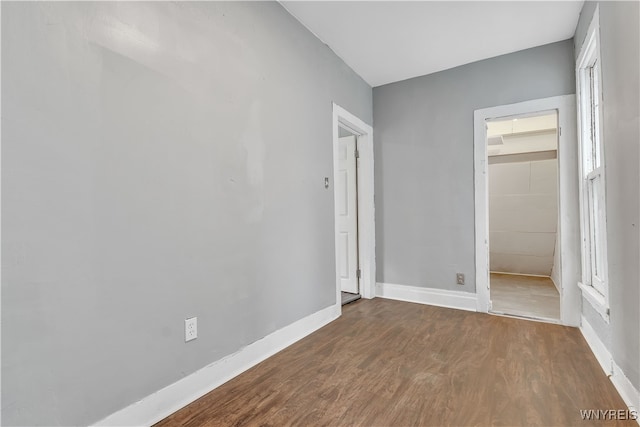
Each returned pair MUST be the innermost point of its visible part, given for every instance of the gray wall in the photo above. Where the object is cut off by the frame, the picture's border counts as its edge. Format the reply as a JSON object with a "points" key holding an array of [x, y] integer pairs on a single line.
{"points": [[159, 161], [423, 131], [620, 58]]}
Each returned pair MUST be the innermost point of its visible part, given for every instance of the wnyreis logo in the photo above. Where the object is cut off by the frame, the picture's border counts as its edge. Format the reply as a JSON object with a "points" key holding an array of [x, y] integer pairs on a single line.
{"points": [[608, 414]]}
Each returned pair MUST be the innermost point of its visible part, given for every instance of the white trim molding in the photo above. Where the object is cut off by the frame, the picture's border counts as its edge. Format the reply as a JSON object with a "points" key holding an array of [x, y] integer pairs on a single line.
{"points": [[592, 175], [429, 296], [568, 204], [597, 346], [168, 400], [627, 391], [596, 300], [366, 208]]}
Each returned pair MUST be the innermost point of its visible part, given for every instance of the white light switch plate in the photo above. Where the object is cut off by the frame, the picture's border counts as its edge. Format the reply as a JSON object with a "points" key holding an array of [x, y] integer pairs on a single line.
{"points": [[190, 329]]}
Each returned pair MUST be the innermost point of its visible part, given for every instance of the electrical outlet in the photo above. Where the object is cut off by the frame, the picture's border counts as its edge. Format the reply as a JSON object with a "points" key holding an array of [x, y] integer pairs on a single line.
{"points": [[190, 329], [460, 278]]}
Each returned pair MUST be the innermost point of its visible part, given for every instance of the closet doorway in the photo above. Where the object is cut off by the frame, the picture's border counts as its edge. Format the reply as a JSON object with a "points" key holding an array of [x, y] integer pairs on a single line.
{"points": [[522, 154]]}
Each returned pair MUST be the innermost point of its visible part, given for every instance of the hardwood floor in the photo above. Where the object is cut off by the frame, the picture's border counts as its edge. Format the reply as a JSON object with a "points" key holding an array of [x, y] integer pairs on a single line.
{"points": [[527, 296], [392, 363]]}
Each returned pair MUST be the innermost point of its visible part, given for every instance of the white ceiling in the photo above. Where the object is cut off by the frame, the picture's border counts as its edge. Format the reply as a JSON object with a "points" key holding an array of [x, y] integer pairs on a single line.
{"points": [[388, 41]]}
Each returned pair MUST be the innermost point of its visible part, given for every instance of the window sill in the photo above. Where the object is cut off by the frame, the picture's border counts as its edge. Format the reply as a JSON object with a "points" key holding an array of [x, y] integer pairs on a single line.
{"points": [[596, 300]]}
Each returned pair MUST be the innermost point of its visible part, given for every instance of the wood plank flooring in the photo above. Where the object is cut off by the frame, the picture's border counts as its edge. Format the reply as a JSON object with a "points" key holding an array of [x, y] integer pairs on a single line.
{"points": [[392, 363], [527, 296]]}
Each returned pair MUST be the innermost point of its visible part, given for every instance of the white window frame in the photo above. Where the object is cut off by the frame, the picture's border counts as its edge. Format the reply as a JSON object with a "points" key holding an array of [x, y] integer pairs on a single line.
{"points": [[594, 284]]}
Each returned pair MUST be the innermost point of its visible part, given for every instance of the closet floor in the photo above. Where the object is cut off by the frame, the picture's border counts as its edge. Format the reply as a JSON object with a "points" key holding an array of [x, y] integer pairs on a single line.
{"points": [[525, 296]]}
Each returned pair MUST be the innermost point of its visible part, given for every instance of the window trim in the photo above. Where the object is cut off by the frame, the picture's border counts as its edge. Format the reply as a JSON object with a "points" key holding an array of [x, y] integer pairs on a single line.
{"points": [[588, 62]]}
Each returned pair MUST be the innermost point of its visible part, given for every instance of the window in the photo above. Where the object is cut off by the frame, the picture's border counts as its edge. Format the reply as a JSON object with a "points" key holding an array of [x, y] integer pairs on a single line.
{"points": [[592, 177]]}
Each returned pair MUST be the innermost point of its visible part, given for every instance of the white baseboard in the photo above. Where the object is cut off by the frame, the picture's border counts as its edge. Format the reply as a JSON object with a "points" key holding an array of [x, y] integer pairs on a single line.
{"points": [[168, 400], [627, 391], [597, 346], [429, 296]]}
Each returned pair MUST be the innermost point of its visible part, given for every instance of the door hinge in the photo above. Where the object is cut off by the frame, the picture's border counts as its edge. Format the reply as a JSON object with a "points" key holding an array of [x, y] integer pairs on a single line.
{"points": [[357, 153], [358, 273], [559, 131]]}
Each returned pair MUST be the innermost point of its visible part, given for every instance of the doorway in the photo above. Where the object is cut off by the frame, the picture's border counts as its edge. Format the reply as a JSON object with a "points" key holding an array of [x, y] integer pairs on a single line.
{"points": [[354, 208], [567, 257], [522, 154], [347, 190]]}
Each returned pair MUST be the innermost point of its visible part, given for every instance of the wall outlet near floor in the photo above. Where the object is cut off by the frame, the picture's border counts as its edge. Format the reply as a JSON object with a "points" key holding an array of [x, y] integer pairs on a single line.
{"points": [[190, 329], [460, 278]]}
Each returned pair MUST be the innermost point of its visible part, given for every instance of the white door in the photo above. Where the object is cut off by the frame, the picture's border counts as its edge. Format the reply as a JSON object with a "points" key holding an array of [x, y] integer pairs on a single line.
{"points": [[348, 214]]}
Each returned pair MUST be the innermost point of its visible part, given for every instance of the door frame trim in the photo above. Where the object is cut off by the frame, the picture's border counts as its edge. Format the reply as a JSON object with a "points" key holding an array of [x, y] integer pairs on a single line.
{"points": [[366, 209], [568, 231]]}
